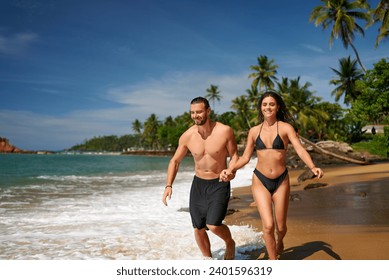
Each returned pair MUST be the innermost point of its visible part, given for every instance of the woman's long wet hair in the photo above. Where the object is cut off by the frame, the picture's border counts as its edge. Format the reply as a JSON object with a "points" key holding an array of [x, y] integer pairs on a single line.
{"points": [[282, 113]]}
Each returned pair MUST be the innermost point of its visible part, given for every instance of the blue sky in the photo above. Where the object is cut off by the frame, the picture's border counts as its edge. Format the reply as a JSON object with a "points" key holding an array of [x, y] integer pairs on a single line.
{"points": [[72, 70]]}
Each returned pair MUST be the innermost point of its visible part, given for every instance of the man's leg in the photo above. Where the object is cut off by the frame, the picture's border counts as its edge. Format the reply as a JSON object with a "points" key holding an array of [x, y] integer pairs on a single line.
{"points": [[224, 233], [202, 241]]}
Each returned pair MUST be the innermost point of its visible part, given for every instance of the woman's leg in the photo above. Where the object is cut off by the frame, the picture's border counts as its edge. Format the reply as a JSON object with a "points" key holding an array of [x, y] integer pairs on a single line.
{"points": [[263, 200], [281, 203]]}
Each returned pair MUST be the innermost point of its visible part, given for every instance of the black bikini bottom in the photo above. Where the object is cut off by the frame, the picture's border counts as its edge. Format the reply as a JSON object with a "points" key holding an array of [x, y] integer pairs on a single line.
{"points": [[271, 184]]}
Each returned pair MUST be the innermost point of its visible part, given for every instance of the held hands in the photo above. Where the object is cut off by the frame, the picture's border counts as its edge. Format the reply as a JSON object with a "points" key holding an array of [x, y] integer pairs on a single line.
{"points": [[226, 175], [317, 171], [167, 194]]}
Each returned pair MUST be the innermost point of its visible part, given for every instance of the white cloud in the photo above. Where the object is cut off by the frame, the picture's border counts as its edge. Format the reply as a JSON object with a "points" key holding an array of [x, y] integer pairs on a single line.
{"points": [[172, 94], [313, 48], [34, 131], [16, 43]]}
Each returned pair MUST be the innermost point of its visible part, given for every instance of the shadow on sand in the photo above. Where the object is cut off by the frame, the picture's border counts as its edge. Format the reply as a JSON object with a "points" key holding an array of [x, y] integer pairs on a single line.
{"points": [[303, 251]]}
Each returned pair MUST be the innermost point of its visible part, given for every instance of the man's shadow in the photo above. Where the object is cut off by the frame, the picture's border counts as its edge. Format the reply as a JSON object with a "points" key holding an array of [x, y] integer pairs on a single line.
{"points": [[304, 251]]}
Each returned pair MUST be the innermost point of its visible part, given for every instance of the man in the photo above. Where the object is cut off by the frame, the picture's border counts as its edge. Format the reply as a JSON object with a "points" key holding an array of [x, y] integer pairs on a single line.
{"points": [[210, 144]]}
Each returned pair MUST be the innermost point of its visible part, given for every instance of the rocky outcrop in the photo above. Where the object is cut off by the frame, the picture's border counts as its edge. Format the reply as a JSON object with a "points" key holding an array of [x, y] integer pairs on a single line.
{"points": [[327, 153], [6, 147]]}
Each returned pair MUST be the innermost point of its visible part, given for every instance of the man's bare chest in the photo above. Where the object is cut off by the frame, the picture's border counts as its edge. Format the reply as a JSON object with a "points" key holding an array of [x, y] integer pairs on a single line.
{"points": [[212, 146]]}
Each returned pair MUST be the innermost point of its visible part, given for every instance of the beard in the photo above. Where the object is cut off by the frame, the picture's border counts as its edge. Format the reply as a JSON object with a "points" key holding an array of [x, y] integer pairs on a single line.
{"points": [[201, 121]]}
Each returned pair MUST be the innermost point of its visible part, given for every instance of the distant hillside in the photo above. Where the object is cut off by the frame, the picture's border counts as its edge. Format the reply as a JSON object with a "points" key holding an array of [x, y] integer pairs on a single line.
{"points": [[6, 147]]}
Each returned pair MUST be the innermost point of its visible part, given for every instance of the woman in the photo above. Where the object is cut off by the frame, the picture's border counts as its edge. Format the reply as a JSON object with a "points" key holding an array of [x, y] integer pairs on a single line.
{"points": [[270, 182]]}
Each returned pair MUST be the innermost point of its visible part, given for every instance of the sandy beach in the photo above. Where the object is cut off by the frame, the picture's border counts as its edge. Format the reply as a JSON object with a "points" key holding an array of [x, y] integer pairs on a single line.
{"points": [[347, 218]]}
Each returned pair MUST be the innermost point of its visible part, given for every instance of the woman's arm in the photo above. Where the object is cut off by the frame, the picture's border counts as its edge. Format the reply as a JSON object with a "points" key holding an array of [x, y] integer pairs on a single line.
{"points": [[301, 152]]}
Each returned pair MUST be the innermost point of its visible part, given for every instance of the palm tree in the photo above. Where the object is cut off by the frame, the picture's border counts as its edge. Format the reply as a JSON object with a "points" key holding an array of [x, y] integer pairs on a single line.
{"points": [[345, 83], [253, 96], [283, 86], [342, 15], [213, 93], [302, 105], [381, 13], [242, 106], [150, 131], [137, 126], [264, 74]]}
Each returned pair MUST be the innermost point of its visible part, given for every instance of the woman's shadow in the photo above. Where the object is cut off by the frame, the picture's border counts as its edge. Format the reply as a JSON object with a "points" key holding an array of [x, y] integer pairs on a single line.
{"points": [[304, 251]]}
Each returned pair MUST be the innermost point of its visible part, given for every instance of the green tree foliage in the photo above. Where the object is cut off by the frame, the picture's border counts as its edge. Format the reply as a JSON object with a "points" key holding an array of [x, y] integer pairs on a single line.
{"points": [[303, 105], [378, 144], [242, 106], [333, 127], [345, 82], [137, 126], [150, 132], [372, 105], [228, 118], [264, 73], [381, 14], [171, 130], [213, 93], [110, 143]]}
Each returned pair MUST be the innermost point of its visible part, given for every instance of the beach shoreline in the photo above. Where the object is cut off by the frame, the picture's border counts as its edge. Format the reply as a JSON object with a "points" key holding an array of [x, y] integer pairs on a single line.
{"points": [[346, 218]]}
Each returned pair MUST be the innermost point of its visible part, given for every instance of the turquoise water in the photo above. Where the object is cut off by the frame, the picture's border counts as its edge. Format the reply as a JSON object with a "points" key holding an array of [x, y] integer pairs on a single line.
{"points": [[19, 169]]}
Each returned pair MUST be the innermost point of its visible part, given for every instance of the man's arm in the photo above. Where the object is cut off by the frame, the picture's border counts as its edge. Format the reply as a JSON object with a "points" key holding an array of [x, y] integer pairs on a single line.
{"points": [[232, 151], [172, 170]]}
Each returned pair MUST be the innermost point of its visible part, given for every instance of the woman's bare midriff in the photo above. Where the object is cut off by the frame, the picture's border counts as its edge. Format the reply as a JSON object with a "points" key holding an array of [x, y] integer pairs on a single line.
{"points": [[271, 163]]}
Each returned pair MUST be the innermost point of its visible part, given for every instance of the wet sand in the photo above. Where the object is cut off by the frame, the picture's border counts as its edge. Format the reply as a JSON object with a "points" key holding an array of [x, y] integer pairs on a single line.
{"points": [[346, 219]]}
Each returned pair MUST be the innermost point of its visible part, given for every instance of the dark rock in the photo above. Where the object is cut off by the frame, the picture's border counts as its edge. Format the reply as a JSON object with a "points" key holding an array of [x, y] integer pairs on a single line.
{"points": [[363, 194], [294, 197], [306, 175], [315, 186]]}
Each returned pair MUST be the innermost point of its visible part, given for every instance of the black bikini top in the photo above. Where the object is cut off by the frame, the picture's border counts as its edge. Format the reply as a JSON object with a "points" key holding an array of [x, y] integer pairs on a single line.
{"points": [[278, 144]]}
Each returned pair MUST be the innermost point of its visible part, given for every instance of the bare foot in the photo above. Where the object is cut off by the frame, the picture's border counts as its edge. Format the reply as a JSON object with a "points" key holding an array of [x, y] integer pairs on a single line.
{"points": [[280, 248], [230, 251]]}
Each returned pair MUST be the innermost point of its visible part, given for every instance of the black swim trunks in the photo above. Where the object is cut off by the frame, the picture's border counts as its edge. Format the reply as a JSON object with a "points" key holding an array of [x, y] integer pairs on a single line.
{"points": [[208, 202]]}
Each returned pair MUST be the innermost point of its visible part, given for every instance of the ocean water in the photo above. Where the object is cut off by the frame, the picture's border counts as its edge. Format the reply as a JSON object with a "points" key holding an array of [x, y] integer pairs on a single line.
{"points": [[102, 207]]}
